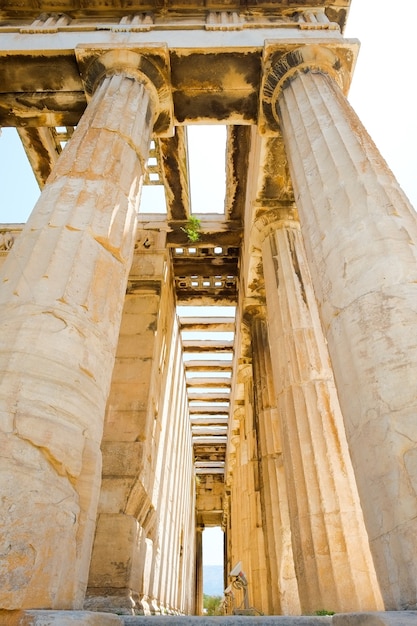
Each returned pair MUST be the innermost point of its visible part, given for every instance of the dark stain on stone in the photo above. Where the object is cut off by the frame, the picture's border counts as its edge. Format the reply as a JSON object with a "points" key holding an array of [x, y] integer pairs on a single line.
{"points": [[153, 326], [40, 72], [137, 286], [274, 252], [296, 265], [337, 15], [216, 69], [215, 85], [238, 149], [174, 165], [276, 183], [197, 106], [44, 162]]}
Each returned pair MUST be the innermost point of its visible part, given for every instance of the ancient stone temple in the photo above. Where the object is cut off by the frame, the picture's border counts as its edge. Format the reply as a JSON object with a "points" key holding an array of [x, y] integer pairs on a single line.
{"points": [[253, 368]]}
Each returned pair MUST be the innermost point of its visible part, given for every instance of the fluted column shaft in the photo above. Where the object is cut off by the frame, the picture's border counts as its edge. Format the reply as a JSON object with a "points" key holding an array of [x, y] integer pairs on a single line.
{"points": [[255, 539], [361, 236], [282, 584], [332, 559], [199, 571], [242, 537], [63, 288]]}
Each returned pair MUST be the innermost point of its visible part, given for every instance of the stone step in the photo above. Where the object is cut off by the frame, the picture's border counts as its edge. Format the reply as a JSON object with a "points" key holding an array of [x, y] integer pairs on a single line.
{"points": [[89, 618], [377, 618], [226, 620]]}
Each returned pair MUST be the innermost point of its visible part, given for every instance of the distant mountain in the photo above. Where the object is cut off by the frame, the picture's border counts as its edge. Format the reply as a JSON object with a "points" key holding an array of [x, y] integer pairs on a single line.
{"points": [[213, 580]]}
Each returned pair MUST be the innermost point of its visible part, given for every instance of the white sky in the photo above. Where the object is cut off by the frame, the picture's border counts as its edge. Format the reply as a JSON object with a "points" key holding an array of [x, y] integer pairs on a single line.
{"points": [[383, 94], [213, 546], [383, 91]]}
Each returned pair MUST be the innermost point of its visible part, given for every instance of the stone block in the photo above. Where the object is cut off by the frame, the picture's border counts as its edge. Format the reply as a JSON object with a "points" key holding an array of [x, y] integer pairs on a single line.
{"points": [[377, 618], [114, 494], [137, 344], [58, 618], [117, 539], [125, 395], [148, 265], [122, 458], [131, 369], [139, 321], [126, 425], [135, 303], [228, 620]]}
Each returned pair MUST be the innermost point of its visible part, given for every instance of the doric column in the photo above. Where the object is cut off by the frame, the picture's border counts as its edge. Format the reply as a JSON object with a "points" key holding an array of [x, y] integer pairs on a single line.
{"points": [[361, 236], [248, 542], [127, 520], [249, 463], [331, 554], [239, 548], [282, 583], [63, 288], [199, 570]]}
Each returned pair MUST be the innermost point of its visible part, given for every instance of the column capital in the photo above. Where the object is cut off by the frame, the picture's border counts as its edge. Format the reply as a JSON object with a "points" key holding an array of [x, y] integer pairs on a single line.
{"points": [[254, 308], [267, 221], [282, 62], [149, 65]]}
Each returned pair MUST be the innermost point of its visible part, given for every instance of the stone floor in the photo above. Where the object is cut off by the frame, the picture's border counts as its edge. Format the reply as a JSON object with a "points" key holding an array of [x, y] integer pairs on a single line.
{"points": [[388, 618], [87, 618]]}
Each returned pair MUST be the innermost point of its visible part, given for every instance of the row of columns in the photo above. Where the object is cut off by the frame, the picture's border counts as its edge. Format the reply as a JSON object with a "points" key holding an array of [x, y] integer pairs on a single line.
{"points": [[317, 552], [361, 233], [331, 553], [63, 288], [281, 581], [65, 285], [245, 537], [360, 237], [142, 561]]}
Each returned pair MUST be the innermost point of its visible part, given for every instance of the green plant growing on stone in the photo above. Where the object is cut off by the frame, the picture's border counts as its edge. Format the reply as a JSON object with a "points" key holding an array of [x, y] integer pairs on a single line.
{"points": [[192, 229], [323, 612]]}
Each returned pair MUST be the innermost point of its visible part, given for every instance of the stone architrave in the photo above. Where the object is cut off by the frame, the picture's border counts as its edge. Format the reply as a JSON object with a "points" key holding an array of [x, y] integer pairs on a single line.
{"points": [[63, 288], [331, 553], [361, 234]]}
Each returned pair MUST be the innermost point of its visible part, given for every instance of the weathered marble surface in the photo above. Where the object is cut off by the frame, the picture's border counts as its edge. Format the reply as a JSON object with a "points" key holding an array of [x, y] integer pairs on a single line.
{"points": [[63, 288], [85, 618], [360, 233], [331, 553], [379, 618], [58, 618]]}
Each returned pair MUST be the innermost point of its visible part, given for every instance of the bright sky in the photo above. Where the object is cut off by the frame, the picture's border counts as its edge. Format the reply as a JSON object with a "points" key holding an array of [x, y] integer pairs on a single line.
{"points": [[383, 91], [213, 546], [383, 94]]}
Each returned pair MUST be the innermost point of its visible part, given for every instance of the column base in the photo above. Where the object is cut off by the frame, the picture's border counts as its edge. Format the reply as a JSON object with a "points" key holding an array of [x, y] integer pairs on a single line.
{"points": [[58, 618], [118, 601], [154, 608]]}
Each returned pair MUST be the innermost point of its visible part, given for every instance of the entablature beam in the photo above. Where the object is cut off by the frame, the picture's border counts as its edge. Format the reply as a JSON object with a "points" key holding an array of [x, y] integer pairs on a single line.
{"points": [[224, 324], [40, 76], [203, 365], [208, 382]]}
